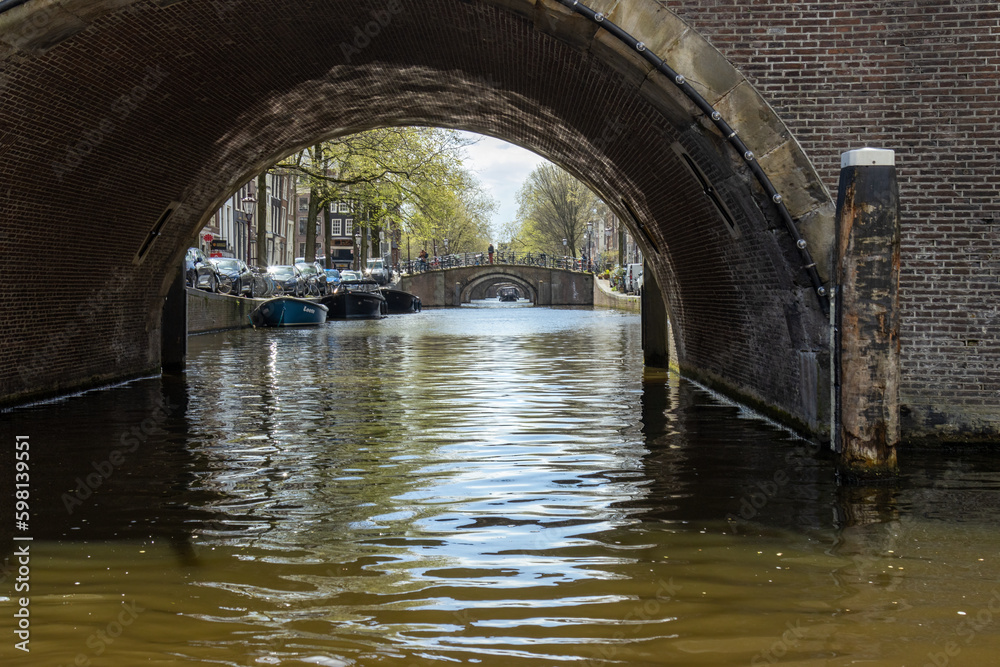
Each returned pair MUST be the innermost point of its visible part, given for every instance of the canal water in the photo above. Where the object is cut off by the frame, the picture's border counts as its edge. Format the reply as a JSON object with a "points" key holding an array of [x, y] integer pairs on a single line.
{"points": [[488, 486]]}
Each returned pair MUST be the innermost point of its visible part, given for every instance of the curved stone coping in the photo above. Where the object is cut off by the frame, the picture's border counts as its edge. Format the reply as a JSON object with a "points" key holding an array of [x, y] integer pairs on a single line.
{"points": [[605, 297]]}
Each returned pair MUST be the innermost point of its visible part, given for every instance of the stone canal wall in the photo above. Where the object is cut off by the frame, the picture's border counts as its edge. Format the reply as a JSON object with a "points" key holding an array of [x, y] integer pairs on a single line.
{"points": [[208, 312], [604, 297], [217, 312]]}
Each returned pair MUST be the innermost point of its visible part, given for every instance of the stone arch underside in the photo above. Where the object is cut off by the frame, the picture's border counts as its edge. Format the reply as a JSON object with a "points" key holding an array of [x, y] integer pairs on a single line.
{"points": [[120, 112], [477, 287]]}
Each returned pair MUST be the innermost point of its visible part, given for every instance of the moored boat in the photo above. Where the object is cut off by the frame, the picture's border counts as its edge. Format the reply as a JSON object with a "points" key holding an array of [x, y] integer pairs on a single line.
{"points": [[355, 299], [399, 301], [286, 311], [508, 294]]}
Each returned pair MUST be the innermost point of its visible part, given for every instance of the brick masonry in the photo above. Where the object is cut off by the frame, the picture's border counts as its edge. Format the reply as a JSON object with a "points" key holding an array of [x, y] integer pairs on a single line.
{"points": [[114, 113], [922, 78]]}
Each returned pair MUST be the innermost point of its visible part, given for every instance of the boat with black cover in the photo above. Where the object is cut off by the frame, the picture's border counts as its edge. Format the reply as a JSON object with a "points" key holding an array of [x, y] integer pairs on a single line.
{"points": [[355, 299], [399, 301]]}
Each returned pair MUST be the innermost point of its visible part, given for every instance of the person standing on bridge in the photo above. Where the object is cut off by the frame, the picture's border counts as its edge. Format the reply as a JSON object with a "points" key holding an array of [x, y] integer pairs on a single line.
{"points": [[490, 251]]}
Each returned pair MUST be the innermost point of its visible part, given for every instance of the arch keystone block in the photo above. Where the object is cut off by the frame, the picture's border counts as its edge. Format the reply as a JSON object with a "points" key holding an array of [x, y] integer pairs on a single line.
{"points": [[627, 62], [656, 27], [755, 120]]}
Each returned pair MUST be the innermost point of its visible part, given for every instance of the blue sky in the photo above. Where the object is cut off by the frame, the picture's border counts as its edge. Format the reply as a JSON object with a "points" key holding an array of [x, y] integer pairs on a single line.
{"points": [[502, 168]]}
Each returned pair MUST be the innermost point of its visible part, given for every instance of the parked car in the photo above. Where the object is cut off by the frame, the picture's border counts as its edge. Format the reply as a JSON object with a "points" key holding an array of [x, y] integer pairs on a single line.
{"points": [[315, 277], [225, 276], [350, 275], [375, 270], [332, 280], [288, 280], [319, 260], [633, 277], [192, 260]]}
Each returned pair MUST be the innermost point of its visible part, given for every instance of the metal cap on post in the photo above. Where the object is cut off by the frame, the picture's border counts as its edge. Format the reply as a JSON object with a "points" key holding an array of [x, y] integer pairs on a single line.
{"points": [[867, 367], [868, 157]]}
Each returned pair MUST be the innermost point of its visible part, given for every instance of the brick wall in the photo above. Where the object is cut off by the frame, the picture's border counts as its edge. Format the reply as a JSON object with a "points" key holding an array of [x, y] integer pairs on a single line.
{"points": [[922, 78]]}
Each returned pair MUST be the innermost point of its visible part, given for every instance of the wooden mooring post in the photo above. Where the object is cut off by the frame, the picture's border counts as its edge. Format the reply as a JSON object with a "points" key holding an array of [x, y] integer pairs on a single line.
{"points": [[866, 372]]}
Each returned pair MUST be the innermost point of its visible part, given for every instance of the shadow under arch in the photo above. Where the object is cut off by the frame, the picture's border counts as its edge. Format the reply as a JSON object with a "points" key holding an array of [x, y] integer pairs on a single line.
{"points": [[476, 288], [191, 104]]}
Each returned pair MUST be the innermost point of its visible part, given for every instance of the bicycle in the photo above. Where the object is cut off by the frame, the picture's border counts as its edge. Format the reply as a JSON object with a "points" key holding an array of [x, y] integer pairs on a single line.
{"points": [[263, 283]]}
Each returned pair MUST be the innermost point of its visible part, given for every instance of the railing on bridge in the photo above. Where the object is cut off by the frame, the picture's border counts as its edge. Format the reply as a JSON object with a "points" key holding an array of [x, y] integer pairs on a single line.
{"points": [[500, 258]]}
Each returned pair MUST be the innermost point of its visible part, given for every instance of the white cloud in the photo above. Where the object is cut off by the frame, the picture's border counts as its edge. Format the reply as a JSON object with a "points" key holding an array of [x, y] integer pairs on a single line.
{"points": [[502, 168]]}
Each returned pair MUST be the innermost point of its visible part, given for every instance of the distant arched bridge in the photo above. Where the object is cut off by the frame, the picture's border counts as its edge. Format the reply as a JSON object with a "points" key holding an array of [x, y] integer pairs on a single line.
{"points": [[541, 285]]}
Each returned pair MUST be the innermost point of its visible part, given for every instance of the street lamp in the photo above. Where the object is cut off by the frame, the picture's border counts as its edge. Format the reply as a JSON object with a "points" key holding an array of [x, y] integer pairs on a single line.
{"points": [[590, 242], [247, 204]]}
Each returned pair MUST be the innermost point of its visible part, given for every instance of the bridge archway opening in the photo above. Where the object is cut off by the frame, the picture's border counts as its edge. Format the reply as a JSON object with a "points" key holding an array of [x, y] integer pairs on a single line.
{"points": [[154, 135], [494, 290], [480, 288]]}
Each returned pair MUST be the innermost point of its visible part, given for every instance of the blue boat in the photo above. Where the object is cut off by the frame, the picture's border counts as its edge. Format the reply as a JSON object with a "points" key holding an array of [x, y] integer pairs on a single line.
{"points": [[286, 311]]}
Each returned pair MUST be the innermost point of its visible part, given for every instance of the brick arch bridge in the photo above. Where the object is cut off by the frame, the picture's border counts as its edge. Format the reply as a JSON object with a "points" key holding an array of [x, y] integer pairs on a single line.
{"points": [[542, 286], [127, 122]]}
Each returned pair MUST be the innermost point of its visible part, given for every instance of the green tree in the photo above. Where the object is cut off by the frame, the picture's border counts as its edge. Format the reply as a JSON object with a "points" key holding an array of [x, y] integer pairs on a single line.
{"points": [[459, 213], [552, 206], [409, 179]]}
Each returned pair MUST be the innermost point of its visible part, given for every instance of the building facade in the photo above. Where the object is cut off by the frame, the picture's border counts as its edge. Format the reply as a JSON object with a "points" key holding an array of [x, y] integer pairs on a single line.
{"points": [[347, 218], [343, 244], [615, 245], [232, 230]]}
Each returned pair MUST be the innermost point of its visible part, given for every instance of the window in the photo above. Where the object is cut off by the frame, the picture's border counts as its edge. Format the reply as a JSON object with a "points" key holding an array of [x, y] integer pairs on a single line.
{"points": [[336, 227], [302, 226], [349, 227], [302, 250], [303, 203], [345, 207]]}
